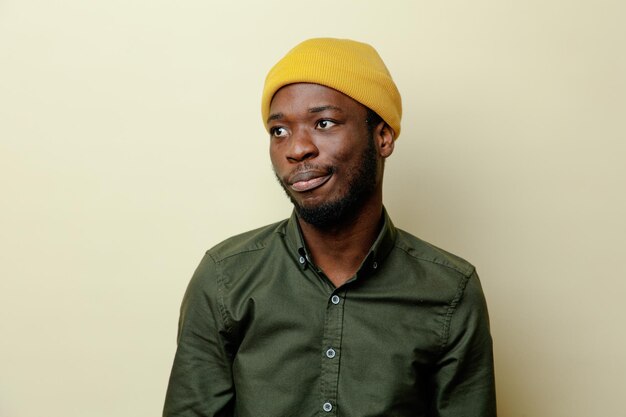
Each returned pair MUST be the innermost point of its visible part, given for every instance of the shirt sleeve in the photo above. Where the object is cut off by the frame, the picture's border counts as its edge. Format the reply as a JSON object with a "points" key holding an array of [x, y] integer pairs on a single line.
{"points": [[464, 382], [201, 383]]}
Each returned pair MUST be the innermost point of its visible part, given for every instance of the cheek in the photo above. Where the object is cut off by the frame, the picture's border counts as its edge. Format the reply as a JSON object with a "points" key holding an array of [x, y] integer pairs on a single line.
{"points": [[274, 158], [346, 161], [336, 153]]}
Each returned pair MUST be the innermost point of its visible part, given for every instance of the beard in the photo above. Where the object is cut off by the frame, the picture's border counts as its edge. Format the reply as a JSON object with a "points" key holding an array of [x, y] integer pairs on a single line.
{"points": [[361, 185]]}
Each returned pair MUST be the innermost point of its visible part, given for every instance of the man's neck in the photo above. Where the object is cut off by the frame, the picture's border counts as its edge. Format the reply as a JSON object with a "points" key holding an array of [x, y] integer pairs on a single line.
{"points": [[340, 250]]}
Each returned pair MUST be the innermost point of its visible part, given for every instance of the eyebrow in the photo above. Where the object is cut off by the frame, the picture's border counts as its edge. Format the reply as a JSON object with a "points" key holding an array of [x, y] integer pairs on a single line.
{"points": [[318, 109], [275, 116], [323, 108]]}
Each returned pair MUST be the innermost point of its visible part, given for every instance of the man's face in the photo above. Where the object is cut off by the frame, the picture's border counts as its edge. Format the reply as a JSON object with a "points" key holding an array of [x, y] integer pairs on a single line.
{"points": [[322, 151]]}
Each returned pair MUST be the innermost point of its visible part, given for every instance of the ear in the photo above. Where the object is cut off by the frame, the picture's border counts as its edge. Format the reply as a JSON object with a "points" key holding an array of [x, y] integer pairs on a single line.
{"points": [[384, 136]]}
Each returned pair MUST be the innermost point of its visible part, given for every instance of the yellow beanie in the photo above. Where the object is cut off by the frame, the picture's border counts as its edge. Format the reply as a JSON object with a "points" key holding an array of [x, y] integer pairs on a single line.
{"points": [[351, 67]]}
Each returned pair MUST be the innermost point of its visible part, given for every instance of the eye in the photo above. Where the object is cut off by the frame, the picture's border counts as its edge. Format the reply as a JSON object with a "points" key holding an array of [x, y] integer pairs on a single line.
{"points": [[325, 124], [278, 132]]}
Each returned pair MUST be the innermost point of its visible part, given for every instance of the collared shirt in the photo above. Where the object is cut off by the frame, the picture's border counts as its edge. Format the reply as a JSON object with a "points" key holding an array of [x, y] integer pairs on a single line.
{"points": [[264, 333]]}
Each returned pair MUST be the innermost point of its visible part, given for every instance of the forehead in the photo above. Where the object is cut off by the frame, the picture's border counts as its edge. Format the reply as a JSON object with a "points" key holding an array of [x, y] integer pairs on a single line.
{"points": [[302, 97]]}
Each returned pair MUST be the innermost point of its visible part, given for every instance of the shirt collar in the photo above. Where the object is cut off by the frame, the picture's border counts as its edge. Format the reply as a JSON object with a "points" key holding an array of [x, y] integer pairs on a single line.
{"points": [[378, 252]]}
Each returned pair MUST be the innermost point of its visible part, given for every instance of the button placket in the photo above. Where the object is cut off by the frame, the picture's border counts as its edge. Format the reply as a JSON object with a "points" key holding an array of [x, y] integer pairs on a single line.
{"points": [[331, 353]]}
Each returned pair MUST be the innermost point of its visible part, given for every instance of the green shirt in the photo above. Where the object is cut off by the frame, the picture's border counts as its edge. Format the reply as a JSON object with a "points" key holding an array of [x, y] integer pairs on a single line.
{"points": [[264, 333]]}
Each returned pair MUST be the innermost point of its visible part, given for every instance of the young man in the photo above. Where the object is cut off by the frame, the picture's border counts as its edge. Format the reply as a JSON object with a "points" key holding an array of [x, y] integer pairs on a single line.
{"points": [[333, 312]]}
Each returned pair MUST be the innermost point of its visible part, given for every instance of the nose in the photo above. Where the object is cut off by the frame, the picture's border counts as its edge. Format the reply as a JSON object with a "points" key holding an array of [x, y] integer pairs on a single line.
{"points": [[301, 147]]}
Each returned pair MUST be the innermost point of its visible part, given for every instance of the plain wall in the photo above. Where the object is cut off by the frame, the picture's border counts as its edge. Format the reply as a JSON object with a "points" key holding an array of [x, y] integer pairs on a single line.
{"points": [[131, 141]]}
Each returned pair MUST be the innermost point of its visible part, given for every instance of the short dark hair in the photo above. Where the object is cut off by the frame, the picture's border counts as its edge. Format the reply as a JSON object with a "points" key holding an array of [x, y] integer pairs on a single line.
{"points": [[372, 120]]}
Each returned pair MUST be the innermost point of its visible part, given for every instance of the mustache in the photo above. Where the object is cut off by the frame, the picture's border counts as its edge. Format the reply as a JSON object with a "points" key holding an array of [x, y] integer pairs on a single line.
{"points": [[306, 170]]}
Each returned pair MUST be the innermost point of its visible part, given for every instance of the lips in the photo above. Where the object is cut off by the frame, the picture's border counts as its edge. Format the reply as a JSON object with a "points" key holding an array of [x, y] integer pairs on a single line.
{"points": [[308, 180]]}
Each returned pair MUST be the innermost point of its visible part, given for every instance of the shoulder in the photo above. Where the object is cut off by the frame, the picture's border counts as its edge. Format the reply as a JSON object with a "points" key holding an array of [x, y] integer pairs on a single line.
{"points": [[237, 253], [247, 242], [422, 252], [448, 278]]}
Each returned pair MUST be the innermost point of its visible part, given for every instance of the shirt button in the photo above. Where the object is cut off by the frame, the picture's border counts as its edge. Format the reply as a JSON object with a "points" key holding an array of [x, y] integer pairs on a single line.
{"points": [[327, 407], [334, 299], [375, 265], [302, 260], [330, 353]]}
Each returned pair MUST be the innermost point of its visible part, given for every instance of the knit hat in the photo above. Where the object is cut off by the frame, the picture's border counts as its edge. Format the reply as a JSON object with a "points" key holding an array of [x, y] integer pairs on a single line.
{"points": [[352, 68]]}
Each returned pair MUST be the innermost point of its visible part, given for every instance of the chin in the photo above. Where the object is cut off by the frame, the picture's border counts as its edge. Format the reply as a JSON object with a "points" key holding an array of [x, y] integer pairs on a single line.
{"points": [[326, 214]]}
